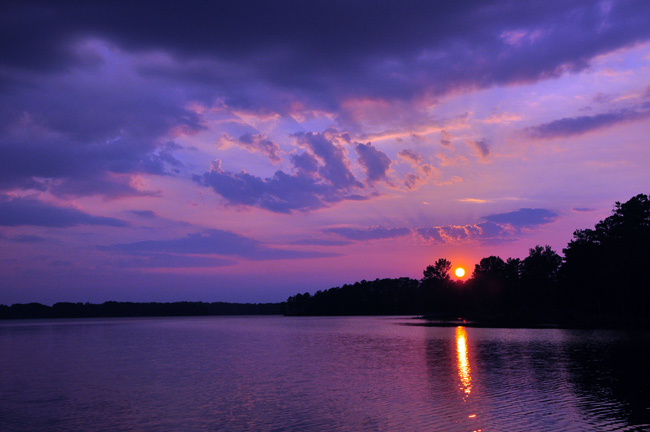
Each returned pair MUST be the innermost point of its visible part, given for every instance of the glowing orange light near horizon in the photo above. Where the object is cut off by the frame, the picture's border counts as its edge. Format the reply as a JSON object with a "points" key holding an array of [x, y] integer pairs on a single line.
{"points": [[460, 272]]}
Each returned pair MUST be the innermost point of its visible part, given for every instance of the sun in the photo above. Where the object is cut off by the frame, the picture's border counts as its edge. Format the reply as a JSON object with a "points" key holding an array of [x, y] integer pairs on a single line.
{"points": [[460, 272]]}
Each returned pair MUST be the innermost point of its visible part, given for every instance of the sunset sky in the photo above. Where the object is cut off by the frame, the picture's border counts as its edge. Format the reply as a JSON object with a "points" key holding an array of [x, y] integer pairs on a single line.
{"points": [[248, 150]]}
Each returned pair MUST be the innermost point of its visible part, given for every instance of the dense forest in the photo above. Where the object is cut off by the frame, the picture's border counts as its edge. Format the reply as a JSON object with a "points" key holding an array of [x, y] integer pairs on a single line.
{"points": [[128, 309], [603, 279]]}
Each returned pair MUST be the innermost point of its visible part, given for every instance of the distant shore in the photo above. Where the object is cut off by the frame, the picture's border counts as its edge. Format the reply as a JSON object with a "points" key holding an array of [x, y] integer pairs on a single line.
{"points": [[113, 309]]}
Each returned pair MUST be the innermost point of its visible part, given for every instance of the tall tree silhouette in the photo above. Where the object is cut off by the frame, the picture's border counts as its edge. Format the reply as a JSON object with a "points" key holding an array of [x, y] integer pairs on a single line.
{"points": [[606, 268], [438, 271], [538, 276]]}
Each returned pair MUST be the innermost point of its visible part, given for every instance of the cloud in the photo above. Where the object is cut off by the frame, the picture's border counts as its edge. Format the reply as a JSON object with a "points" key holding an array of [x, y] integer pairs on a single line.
{"points": [[482, 147], [32, 212], [254, 51], [321, 177], [497, 228], [321, 242], [282, 193], [374, 161], [445, 138], [336, 167], [411, 157], [486, 233], [26, 238], [88, 130], [89, 96], [430, 234], [211, 242], [523, 218], [502, 118], [570, 126], [363, 234], [259, 143], [170, 260], [424, 171], [145, 214], [474, 200], [583, 209]]}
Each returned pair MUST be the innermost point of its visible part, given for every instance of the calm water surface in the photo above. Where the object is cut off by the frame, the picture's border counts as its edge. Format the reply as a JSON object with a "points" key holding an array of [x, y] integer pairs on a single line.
{"points": [[301, 374]]}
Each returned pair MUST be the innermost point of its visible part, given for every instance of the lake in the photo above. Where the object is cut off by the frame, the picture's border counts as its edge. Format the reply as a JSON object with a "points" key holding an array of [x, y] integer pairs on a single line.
{"points": [[317, 374]]}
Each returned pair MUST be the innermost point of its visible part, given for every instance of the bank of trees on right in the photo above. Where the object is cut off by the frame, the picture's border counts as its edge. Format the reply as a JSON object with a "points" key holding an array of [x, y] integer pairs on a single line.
{"points": [[606, 270]]}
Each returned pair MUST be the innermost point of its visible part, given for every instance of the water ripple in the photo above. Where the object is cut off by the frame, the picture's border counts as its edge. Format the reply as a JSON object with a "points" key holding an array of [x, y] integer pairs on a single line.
{"points": [[326, 374]]}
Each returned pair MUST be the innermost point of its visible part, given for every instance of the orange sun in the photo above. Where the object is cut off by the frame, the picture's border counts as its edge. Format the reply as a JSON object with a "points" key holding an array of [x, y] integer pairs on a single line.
{"points": [[460, 272]]}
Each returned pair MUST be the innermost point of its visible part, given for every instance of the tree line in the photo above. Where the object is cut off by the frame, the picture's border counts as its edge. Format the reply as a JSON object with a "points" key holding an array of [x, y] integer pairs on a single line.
{"points": [[130, 309], [602, 279]]}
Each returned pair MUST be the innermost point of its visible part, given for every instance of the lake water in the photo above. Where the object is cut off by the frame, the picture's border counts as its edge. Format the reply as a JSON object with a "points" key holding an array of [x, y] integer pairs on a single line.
{"points": [[317, 374]]}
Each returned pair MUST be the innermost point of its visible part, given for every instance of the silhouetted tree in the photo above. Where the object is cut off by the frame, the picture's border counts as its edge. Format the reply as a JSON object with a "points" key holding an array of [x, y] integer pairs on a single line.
{"points": [[488, 285], [538, 276], [492, 266], [606, 268], [438, 271], [541, 264], [512, 269]]}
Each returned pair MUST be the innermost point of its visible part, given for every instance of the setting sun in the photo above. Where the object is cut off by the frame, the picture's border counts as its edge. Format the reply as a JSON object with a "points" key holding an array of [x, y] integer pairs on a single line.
{"points": [[460, 272]]}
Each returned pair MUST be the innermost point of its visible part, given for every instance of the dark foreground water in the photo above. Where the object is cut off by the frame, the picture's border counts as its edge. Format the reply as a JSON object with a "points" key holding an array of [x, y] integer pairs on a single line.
{"points": [[315, 374]]}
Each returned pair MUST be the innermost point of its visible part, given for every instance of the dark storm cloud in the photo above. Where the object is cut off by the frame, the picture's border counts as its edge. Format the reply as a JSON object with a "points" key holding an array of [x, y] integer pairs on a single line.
{"points": [[29, 211], [570, 126], [377, 233], [309, 46], [213, 242], [375, 162], [523, 218]]}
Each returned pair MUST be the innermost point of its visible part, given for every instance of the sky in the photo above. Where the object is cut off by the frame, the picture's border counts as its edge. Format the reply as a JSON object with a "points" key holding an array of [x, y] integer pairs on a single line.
{"points": [[246, 151]]}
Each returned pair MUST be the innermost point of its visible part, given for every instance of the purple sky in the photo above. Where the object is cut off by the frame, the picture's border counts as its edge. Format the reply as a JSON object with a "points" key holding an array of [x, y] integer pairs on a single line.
{"points": [[249, 150]]}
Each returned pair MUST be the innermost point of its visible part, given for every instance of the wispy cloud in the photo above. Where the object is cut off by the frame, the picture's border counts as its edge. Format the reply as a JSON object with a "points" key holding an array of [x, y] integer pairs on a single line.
{"points": [[474, 200], [363, 234], [254, 143], [30, 211], [210, 242], [524, 217], [570, 126]]}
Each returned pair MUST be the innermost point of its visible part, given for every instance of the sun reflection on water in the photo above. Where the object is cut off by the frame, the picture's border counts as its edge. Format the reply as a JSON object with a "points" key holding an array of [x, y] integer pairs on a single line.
{"points": [[464, 371]]}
